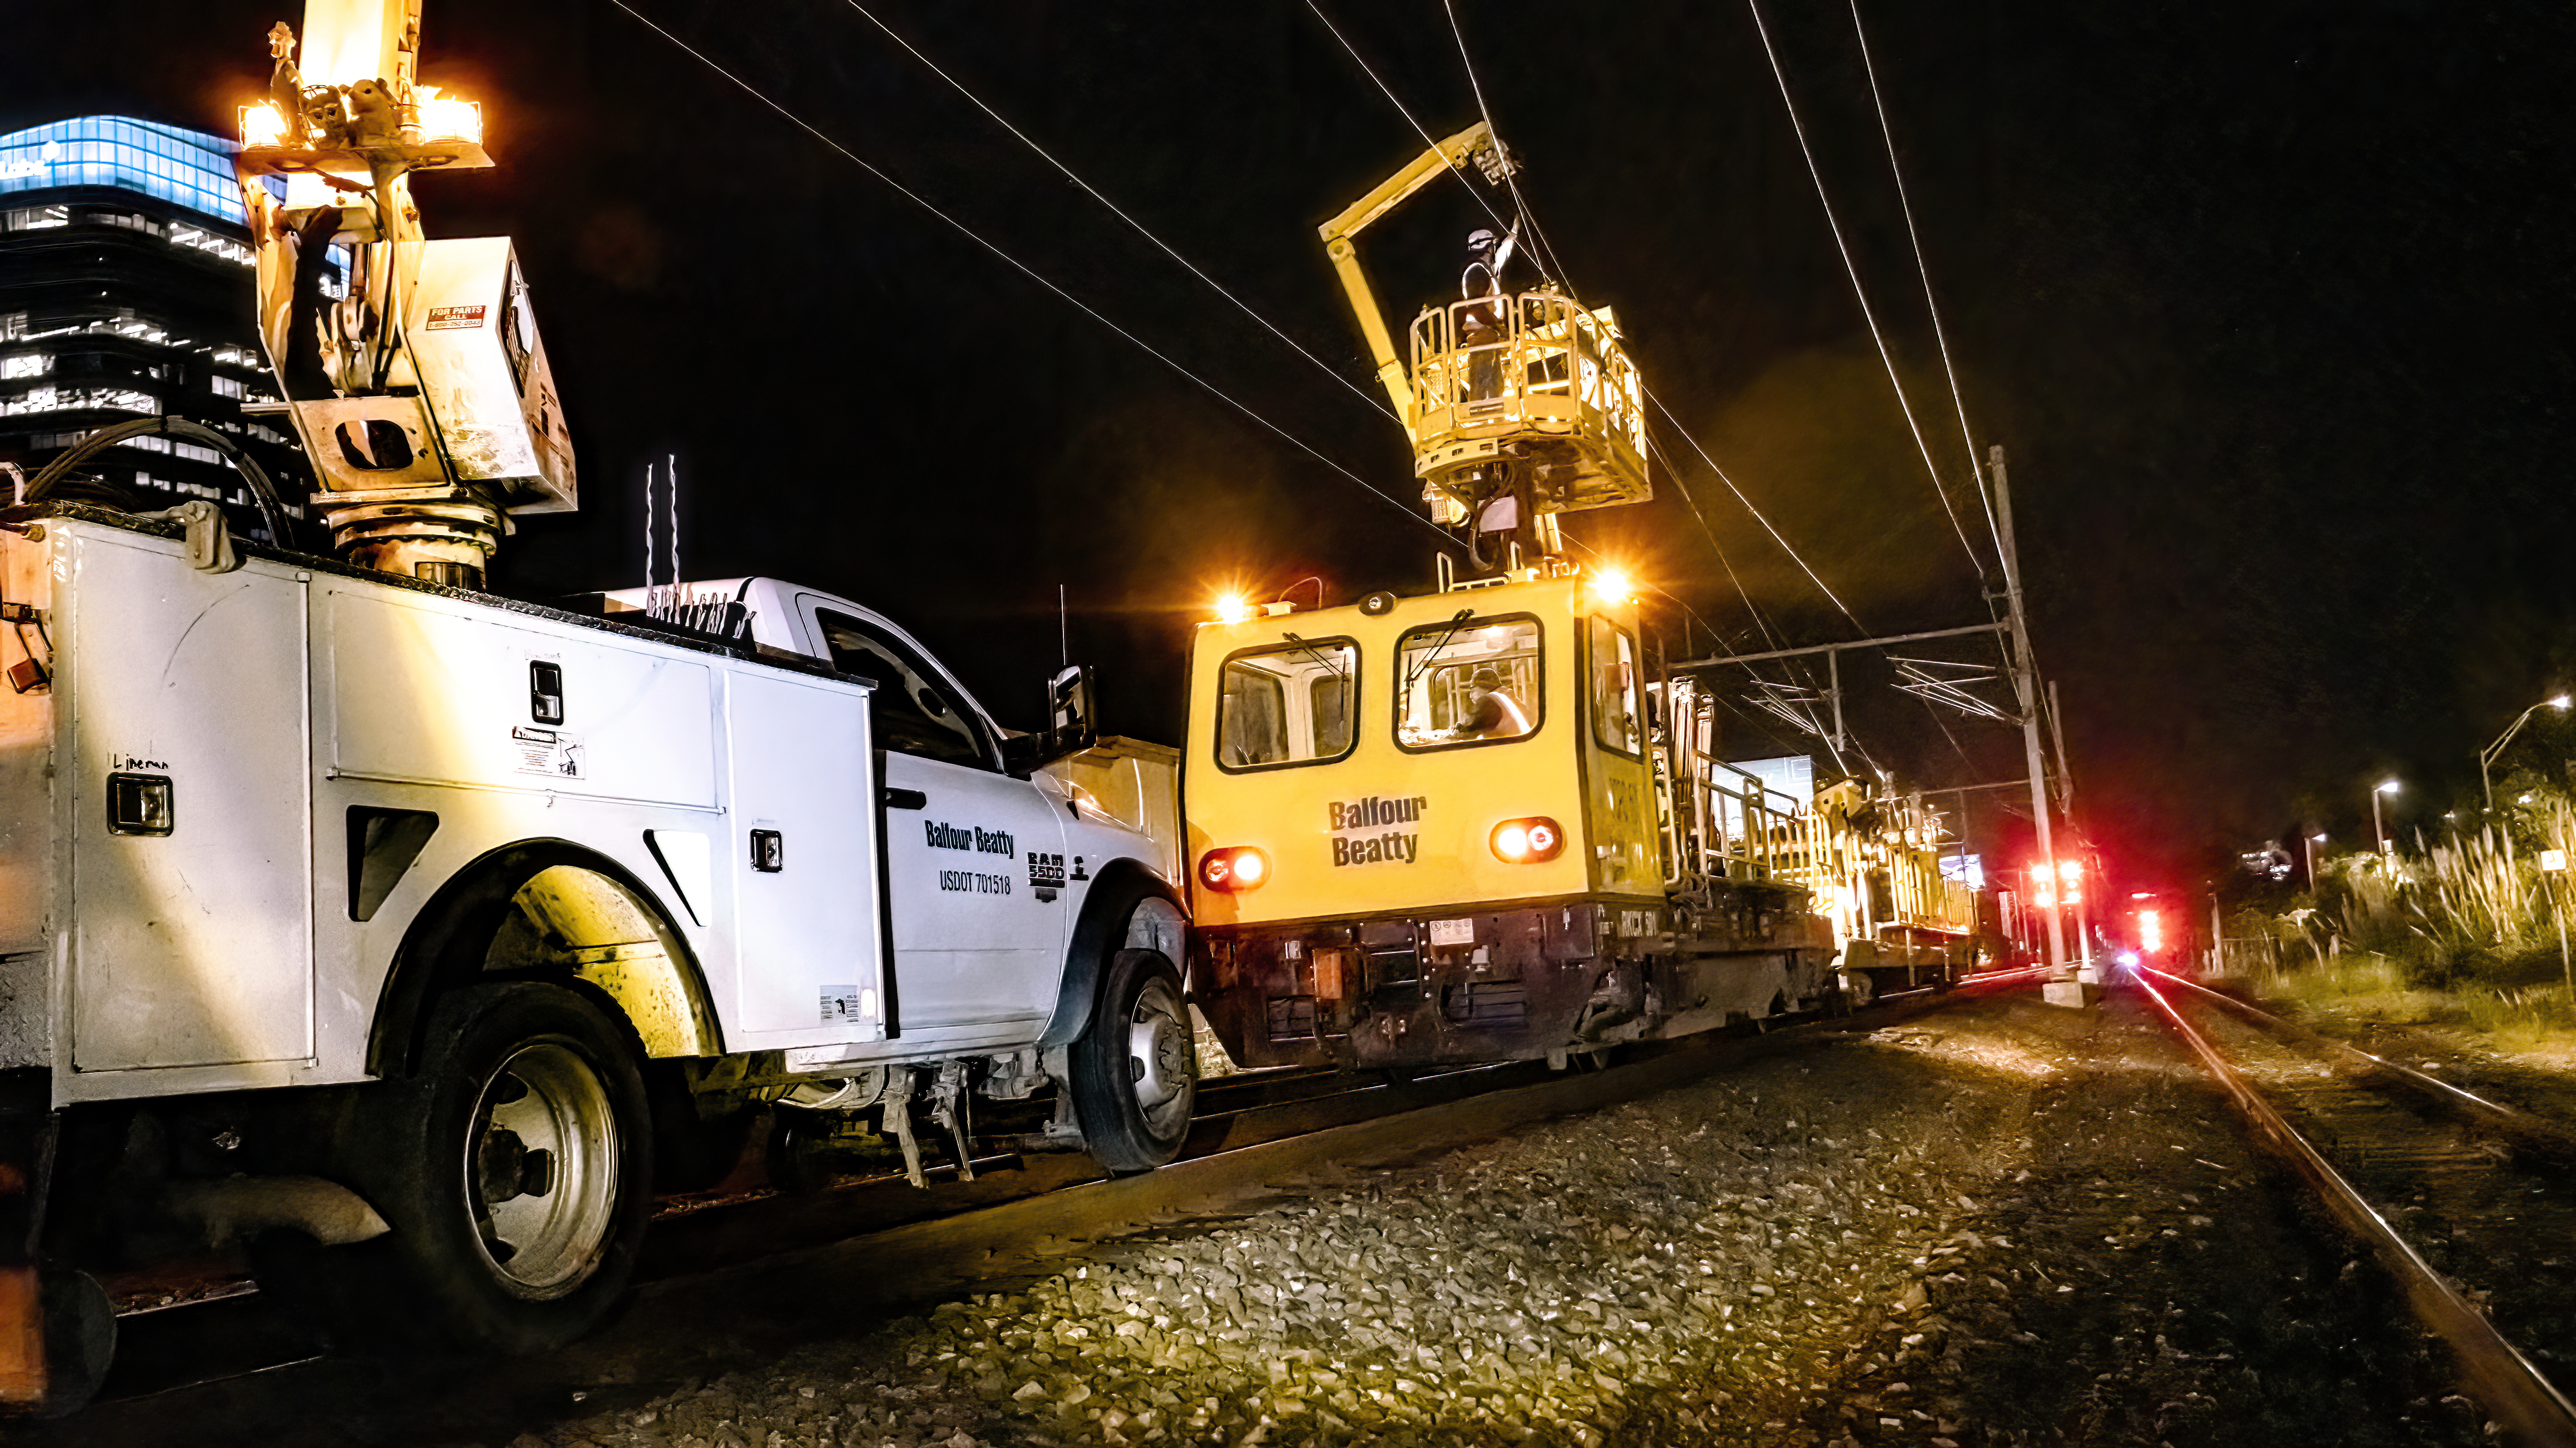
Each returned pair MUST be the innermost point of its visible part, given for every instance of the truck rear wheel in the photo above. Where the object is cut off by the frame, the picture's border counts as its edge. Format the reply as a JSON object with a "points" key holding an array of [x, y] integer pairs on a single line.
{"points": [[514, 1168], [1135, 1069]]}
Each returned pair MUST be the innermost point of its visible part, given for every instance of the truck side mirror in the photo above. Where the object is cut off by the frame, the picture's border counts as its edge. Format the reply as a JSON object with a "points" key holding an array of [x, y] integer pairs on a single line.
{"points": [[1071, 726]]}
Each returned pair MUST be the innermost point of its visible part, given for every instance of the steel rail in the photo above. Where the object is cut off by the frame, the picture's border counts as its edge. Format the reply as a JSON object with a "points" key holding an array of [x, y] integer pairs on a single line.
{"points": [[2515, 1392], [2550, 1136]]}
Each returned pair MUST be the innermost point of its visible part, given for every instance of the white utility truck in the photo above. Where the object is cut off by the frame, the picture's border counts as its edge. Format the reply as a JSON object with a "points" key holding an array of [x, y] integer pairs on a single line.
{"points": [[412, 937], [412, 920]]}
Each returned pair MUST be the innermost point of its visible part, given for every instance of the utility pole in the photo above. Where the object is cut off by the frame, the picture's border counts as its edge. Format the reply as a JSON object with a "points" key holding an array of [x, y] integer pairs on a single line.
{"points": [[2025, 688], [2066, 806]]}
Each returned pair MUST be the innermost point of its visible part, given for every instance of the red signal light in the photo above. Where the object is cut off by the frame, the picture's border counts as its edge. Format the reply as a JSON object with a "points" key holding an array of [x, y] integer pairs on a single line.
{"points": [[1234, 869], [1528, 841]]}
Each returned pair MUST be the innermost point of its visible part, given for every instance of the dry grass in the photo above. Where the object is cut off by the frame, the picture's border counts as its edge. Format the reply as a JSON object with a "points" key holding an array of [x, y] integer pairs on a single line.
{"points": [[2351, 991]]}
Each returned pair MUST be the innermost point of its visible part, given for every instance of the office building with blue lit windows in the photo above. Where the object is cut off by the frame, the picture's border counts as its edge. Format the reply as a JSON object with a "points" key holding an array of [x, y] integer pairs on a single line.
{"points": [[126, 289]]}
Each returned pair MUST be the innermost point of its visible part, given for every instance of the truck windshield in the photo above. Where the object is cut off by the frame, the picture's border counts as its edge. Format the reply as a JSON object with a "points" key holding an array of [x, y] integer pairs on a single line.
{"points": [[1286, 704], [1468, 681], [911, 709]]}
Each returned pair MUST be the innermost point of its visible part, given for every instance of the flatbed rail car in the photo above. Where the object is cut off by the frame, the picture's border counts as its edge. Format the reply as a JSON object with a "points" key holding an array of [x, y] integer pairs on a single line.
{"points": [[419, 922], [1384, 875], [1873, 859]]}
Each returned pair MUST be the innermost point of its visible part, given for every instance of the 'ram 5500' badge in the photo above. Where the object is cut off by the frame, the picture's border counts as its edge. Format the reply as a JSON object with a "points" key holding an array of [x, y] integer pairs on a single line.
{"points": [[1046, 874]]}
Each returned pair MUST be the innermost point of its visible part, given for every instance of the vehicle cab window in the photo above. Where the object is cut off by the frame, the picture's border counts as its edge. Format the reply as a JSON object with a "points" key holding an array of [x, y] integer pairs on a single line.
{"points": [[914, 710], [1469, 681], [1285, 704], [1615, 721]]}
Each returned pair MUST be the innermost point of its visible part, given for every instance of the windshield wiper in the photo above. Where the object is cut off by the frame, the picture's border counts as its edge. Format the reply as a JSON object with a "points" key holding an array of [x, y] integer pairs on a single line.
{"points": [[1432, 654], [1313, 653]]}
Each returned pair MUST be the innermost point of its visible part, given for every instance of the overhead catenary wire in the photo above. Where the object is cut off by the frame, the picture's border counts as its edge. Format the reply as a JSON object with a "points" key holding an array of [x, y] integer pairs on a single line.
{"points": [[1813, 723], [1675, 474], [1456, 168], [1033, 274], [1520, 204], [1118, 211], [1554, 266], [1476, 86], [1852, 269], [1931, 304], [1697, 515]]}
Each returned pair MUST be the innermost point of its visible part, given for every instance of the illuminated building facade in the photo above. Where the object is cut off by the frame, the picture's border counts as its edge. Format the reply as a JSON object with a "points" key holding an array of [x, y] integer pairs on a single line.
{"points": [[126, 291]]}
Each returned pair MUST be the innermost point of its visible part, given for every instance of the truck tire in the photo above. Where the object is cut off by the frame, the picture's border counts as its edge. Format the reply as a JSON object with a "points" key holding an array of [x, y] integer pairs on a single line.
{"points": [[514, 1166], [1135, 1068]]}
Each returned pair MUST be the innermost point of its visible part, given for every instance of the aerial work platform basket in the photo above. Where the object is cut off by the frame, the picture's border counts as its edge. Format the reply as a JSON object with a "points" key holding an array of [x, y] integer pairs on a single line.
{"points": [[1535, 378], [1519, 398]]}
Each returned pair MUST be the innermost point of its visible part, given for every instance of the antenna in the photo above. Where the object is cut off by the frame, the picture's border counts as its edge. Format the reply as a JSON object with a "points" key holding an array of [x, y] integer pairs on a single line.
{"points": [[648, 532], [1063, 632]]}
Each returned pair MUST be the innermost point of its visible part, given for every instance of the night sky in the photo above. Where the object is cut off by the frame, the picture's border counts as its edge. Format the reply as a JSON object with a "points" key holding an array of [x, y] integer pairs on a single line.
{"points": [[2269, 303]]}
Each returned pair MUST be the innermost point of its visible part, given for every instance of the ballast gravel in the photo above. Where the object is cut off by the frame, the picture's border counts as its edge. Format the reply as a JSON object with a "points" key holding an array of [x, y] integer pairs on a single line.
{"points": [[1673, 1266], [1819, 1248]]}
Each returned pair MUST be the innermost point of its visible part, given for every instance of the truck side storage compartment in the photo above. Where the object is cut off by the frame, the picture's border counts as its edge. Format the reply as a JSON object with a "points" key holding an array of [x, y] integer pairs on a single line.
{"points": [[190, 901], [802, 852]]}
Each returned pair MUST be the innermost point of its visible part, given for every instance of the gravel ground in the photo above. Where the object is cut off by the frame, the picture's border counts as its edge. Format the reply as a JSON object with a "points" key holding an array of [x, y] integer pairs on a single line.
{"points": [[2497, 1223], [2143, 1276], [2004, 1224]]}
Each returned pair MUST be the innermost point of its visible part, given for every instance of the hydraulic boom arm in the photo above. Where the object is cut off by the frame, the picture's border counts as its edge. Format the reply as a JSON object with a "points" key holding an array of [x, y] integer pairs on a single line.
{"points": [[417, 382], [1341, 234]]}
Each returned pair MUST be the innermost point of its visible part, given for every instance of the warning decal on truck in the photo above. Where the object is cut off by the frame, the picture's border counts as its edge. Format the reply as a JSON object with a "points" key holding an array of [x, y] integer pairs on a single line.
{"points": [[546, 751], [848, 1003]]}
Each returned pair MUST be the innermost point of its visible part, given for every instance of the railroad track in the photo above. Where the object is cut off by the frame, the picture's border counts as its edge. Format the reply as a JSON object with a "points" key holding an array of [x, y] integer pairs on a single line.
{"points": [[2462, 1200], [780, 1250]]}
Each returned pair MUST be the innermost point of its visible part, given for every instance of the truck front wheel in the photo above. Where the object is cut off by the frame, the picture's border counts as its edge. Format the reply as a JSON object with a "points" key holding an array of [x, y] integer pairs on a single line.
{"points": [[514, 1168], [1135, 1070]]}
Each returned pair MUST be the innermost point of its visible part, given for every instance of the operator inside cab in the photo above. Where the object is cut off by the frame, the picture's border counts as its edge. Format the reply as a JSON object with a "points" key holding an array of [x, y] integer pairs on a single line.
{"points": [[1492, 712]]}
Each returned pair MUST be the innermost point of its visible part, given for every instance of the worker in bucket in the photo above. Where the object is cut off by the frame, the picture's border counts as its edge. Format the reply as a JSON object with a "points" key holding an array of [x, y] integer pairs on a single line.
{"points": [[1481, 326]]}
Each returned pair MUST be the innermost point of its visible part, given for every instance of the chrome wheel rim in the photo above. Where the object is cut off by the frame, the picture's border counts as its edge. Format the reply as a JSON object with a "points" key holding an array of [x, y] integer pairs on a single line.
{"points": [[1161, 1063], [541, 1168]]}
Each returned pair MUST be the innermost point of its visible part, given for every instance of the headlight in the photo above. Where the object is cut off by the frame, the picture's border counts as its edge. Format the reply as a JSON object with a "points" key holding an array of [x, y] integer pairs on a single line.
{"points": [[1528, 841], [1234, 868]]}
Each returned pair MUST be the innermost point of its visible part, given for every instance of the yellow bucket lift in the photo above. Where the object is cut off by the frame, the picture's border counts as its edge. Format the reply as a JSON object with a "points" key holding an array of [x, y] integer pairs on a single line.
{"points": [[1526, 396]]}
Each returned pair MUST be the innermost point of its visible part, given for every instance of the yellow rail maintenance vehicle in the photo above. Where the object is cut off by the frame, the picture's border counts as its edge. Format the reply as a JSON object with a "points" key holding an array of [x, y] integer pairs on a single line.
{"points": [[1439, 829], [1450, 827]]}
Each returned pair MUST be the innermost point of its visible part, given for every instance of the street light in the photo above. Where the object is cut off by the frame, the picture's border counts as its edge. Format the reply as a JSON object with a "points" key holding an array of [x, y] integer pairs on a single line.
{"points": [[2378, 831], [2487, 756], [2310, 845]]}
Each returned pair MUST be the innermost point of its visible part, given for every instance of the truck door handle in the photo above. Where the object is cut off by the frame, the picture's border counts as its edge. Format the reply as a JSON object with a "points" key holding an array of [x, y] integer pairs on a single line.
{"points": [[906, 799]]}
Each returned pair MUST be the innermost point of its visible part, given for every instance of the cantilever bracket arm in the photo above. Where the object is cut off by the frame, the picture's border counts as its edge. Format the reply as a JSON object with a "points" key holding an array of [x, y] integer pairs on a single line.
{"points": [[1340, 237]]}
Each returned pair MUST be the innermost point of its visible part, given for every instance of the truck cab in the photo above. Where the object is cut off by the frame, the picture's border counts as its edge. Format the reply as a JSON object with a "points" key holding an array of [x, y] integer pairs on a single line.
{"points": [[987, 856]]}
